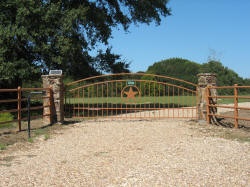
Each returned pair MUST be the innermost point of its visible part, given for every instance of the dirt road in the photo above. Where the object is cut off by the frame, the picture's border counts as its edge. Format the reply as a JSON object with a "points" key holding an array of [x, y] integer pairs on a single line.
{"points": [[128, 153]]}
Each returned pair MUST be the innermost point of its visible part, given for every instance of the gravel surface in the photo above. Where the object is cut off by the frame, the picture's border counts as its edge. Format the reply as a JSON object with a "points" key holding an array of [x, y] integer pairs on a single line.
{"points": [[127, 153]]}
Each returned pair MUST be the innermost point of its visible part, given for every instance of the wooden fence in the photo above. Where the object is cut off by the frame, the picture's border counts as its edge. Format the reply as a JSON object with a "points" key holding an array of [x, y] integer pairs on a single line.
{"points": [[14, 101], [235, 104]]}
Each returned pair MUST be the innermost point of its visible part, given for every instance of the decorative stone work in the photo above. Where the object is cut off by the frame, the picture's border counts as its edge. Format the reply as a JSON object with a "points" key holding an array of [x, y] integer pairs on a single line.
{"points": [[56, 83], [205, 80]]}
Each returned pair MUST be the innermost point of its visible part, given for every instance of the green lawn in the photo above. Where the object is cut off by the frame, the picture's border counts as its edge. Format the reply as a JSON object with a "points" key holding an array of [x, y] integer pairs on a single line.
{"points": [[181, 100], [231, 100]]}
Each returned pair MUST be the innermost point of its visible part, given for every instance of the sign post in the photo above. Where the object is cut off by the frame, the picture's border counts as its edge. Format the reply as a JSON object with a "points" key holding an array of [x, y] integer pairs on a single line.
{"points": [[28, 101]]}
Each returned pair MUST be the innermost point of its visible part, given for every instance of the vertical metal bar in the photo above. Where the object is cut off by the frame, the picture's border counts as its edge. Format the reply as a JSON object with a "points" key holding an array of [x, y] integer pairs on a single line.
{"points": [[208, 94], [116, 96], [236, 114], [107, 99], [78, 104], [102, 100], [149, 95], [88, 102], [173, 100], [144, 95], [50, 105], [140, 99], [73, 103], [159, 95], [146, 106], [97, 100], [83, 102], [133, 106], [19, 106], [197, 104], [183, 103], [192, 102], [122, 100], [154, 100], [164, 97], [126, 104], [168, 99], [189, 103], [28, 129], [178, 114], [112, 97], [91, 101]]}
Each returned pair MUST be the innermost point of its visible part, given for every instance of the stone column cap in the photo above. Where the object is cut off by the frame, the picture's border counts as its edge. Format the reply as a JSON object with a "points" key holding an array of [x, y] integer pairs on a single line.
{"points": [[205, 79], [207, 74], [52, 75]]}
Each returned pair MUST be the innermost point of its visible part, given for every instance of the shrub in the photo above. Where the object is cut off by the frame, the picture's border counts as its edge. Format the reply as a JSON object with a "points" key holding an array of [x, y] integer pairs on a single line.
{"points": [[5, 117], [2, 146]]}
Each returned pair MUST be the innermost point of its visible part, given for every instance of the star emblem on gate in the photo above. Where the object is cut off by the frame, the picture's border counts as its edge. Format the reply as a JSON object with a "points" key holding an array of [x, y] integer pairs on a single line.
{"points": [[130, 92]]}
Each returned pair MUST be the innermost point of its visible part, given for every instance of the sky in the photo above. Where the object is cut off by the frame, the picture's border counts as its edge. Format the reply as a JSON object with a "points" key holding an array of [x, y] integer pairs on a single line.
{"points": [[197, 30]]}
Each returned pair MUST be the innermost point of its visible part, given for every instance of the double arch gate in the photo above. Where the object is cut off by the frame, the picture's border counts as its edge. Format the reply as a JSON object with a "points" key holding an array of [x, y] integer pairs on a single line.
{"points": [[131, 95]]}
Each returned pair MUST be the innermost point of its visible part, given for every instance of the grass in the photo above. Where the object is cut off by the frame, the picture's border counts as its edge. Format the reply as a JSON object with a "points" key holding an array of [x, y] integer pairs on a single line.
{"points": [[7, 125], [30, 140], [181, 100], [239, 136], [46, 136], [6, 117], [231, 100], [2, 146], [42, 131], [178, 100], [39, 132]]}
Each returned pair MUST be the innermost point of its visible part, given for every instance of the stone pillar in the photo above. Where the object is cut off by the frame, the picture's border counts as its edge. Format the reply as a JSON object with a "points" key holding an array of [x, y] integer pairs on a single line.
{"points": [[205, 80], [56, 83]]}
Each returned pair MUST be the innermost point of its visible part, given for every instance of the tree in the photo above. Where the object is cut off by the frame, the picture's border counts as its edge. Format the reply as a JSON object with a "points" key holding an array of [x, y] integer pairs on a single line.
{"points": [[176, 67], [38, 35], [108, 62], [187, 70], [225, 76]]}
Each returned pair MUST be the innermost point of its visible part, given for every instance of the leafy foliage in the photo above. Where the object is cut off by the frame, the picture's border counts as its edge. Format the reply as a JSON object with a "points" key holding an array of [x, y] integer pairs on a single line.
{"points": [[176, 67], [6, 117], [225, 75], [187, 70], [39, 35]]}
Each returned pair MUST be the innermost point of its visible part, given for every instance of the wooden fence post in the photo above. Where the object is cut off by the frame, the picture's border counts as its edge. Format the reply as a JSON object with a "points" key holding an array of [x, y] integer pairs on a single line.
{"points": [[236, 113], [208, 94], [19, 107]]}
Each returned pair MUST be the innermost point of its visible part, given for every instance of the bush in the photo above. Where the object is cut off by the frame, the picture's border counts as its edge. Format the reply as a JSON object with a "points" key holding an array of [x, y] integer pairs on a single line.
{"points": [[5, 117]]}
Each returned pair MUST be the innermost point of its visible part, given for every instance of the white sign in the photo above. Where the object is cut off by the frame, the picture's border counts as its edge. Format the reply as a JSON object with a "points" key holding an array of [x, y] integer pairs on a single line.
{"points": [[55, 72]]}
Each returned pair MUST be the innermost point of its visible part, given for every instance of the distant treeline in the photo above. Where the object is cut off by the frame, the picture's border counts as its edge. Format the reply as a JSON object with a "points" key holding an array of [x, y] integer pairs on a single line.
{"points": [[188, 70]]}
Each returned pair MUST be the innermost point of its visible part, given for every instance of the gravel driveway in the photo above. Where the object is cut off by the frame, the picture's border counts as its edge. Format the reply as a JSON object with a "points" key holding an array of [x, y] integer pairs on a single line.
{"points": [[128, 153]]}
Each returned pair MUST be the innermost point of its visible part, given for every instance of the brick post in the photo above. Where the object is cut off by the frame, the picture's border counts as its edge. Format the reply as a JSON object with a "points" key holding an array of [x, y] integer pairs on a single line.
{"points": [[205, 80], [57, 102]]}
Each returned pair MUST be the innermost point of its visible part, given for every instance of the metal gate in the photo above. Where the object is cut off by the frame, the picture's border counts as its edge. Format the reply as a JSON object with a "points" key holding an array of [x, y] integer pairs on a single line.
{"points": [[131, 95]]}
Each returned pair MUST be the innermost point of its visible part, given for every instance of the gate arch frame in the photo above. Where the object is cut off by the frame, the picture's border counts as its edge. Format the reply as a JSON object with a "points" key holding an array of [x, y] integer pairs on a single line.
{"points": [[80, 87]]}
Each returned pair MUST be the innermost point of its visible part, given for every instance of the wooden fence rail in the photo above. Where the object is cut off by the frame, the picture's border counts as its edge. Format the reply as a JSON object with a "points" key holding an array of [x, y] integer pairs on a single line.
{"points": [[15, 101], [241, 94]]}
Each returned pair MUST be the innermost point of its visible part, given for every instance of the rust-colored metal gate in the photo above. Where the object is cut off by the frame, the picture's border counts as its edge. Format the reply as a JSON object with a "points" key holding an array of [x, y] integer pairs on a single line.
{"points": [[131, 95]]}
